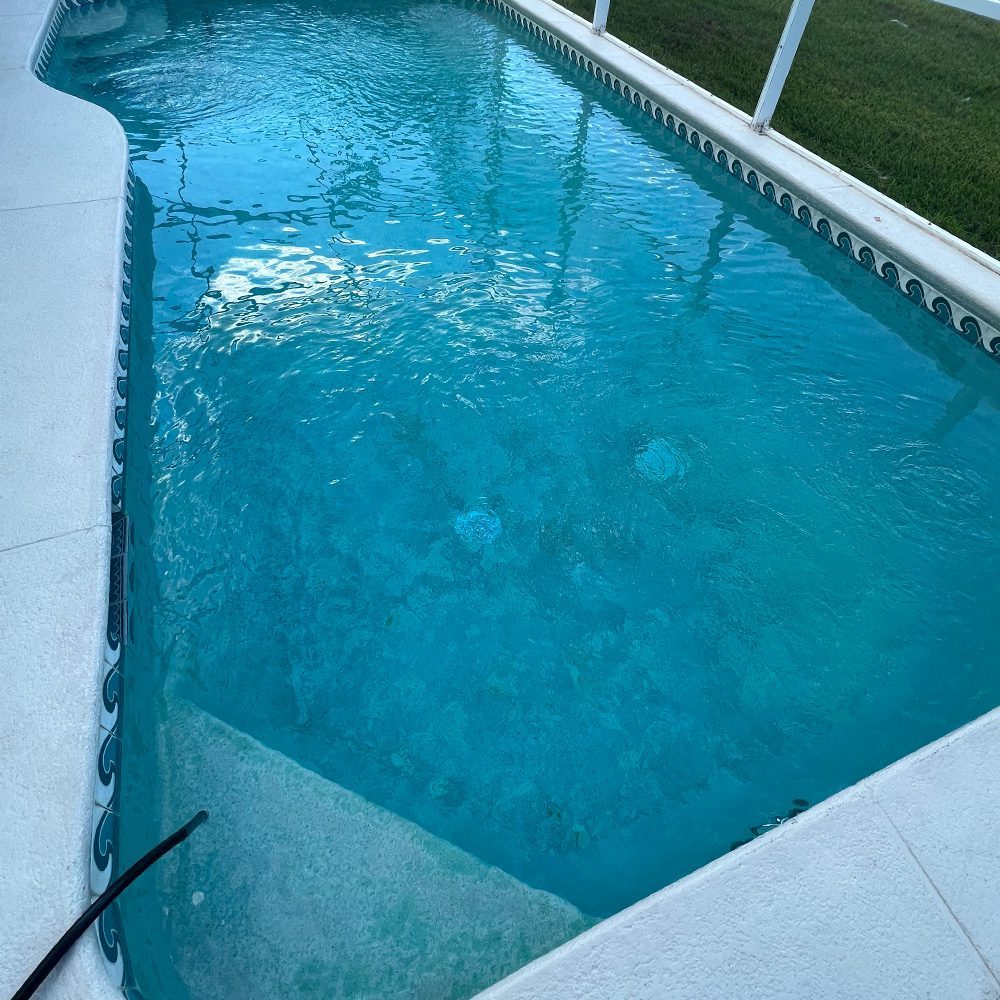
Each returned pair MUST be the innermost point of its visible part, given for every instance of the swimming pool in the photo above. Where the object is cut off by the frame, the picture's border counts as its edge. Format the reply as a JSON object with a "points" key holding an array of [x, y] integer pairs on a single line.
{"points": [[516, 475]]}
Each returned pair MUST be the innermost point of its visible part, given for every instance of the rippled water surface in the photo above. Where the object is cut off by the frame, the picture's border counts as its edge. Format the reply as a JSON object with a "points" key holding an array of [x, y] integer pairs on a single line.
{"points": [[495, 458]]}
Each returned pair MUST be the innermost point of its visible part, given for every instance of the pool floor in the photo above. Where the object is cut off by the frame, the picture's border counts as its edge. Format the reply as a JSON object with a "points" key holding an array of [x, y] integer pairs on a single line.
{"points": [[501, 464]]}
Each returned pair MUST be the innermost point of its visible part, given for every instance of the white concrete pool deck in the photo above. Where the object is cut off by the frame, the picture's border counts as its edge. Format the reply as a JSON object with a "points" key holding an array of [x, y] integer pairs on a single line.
{"points": [[62, 168], [890, 889]]}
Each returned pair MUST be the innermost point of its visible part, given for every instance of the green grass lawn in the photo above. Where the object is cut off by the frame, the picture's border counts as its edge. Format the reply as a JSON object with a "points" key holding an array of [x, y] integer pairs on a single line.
{"points": [[904, 94]]}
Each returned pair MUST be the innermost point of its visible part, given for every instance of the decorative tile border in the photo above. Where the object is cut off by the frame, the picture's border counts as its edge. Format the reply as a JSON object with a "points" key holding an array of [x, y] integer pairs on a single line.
{"points": [[51, 36], [104, 853], [947, 311], [121, 354], [104, 858], [62, 7]]}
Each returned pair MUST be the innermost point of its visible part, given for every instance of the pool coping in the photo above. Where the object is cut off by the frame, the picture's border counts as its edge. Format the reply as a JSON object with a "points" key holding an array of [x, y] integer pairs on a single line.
{"points": [[66, 186]]}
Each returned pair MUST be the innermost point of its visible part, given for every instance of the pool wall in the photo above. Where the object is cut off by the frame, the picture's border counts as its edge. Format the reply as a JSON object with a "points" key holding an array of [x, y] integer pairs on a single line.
{"points": [[788, 907]]}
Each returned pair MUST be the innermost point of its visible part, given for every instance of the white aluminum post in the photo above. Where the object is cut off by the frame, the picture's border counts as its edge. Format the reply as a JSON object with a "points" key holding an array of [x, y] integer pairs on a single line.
{"points": [[601, 16], [782, 63]]}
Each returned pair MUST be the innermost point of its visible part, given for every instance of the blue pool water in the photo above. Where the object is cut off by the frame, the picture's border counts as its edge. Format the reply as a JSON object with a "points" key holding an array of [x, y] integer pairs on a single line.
{"points": [[495, 458]]}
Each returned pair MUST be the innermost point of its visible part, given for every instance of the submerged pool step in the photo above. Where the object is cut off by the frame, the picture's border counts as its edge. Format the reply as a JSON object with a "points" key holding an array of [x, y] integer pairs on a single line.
{"points": [[300, 887]]}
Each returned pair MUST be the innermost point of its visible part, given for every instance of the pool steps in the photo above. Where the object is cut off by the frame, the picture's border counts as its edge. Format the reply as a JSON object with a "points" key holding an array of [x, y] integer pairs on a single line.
{"points": [[322, 886]]}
